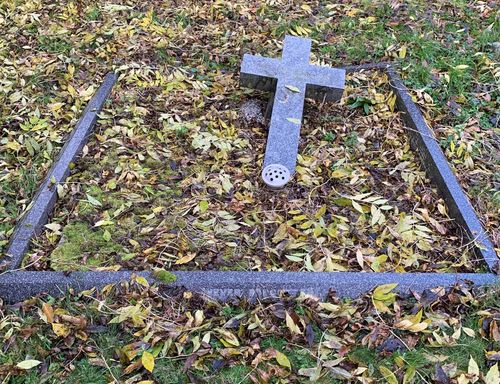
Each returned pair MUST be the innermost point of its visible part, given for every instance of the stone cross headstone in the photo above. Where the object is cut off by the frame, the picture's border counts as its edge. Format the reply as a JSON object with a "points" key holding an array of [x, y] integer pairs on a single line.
{"points": [[291, 79]]}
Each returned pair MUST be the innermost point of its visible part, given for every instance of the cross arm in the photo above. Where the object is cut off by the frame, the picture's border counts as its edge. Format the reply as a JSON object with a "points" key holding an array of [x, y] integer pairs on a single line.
{"points": [[259, 72], [325, 83]]}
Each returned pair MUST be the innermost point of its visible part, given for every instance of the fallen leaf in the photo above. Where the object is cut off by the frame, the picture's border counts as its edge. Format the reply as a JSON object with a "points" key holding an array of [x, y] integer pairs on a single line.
{"points": [[28, 364], [48, 312], [292, 88], [493, 375], [60, 329], [148, 361], [283, 360], [388, 375], [186, 259]]}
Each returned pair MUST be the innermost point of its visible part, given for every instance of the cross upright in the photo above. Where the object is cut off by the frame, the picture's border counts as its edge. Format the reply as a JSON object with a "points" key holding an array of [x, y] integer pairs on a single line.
{"points": [[291, 80]]}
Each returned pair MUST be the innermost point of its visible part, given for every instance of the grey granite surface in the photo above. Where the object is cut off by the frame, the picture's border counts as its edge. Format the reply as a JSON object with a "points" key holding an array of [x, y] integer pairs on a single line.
{"points": [[33, 221], [439, 171], [16, 286], [291, 80]]}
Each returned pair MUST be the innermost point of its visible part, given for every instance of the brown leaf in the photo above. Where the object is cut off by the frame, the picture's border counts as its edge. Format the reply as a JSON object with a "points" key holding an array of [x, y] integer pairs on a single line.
{"points": [[48, 311]]}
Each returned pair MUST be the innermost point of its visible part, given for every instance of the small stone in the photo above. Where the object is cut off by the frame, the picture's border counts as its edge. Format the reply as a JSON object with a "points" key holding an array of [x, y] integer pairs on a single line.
{"points": [[251, 113]]}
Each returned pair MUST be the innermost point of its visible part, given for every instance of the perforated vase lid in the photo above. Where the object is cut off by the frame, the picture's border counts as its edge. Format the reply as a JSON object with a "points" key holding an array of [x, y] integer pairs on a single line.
{"points": [[276, 175]]}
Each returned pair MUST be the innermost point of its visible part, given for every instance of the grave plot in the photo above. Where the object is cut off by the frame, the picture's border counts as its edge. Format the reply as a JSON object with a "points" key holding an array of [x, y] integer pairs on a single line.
{"points": [[173, 169], [181, 189]]}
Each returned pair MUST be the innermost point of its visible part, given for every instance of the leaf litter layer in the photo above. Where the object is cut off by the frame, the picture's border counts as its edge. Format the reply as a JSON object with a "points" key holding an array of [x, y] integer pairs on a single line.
{"points": [[181, 189], [135, 333]]}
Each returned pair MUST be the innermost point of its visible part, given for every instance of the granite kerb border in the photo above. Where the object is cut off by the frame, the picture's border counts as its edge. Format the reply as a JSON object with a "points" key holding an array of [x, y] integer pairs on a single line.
{"points": [[224, 285], [16, 285]]}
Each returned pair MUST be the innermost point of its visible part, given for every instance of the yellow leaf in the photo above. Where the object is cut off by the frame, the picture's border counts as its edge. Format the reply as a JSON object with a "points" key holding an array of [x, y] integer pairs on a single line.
{"points": [[281, 233], [359, 258], [402, 52], [352, 12], [320, 212], [71, 90], [415, 319], [376, 214], [403, 324], [339, 173], [283, 360], [14, 145], [186, 259], [461, 66], [382, 296], [383, 292], [493, 376], [391, 102], [291, 324], [228, 339], [148, 361], [203, 206], [60, 329], [84, 94], [142, 281], [55, 107], [389, 376], [317, 231], [329, 307]]}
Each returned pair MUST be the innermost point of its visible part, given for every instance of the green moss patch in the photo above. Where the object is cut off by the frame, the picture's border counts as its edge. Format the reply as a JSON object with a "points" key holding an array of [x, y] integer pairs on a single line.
{"points": [[81, 248]]}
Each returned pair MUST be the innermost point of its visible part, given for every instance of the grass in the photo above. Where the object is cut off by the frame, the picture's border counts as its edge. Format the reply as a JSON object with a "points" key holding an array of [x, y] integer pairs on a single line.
{"points": [[97, 359], [457, 354], [54, 45]]}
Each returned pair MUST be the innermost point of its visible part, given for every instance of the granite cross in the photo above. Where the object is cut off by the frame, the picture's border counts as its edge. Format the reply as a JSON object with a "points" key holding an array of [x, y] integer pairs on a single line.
{"points": [[291, 79]]}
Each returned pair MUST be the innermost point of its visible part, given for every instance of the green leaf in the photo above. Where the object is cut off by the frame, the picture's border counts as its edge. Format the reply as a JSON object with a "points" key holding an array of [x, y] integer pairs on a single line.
{"points": [[93, 201], [409, 375], [389, 376], [106, 235], [28, 364], [203, 206]]}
